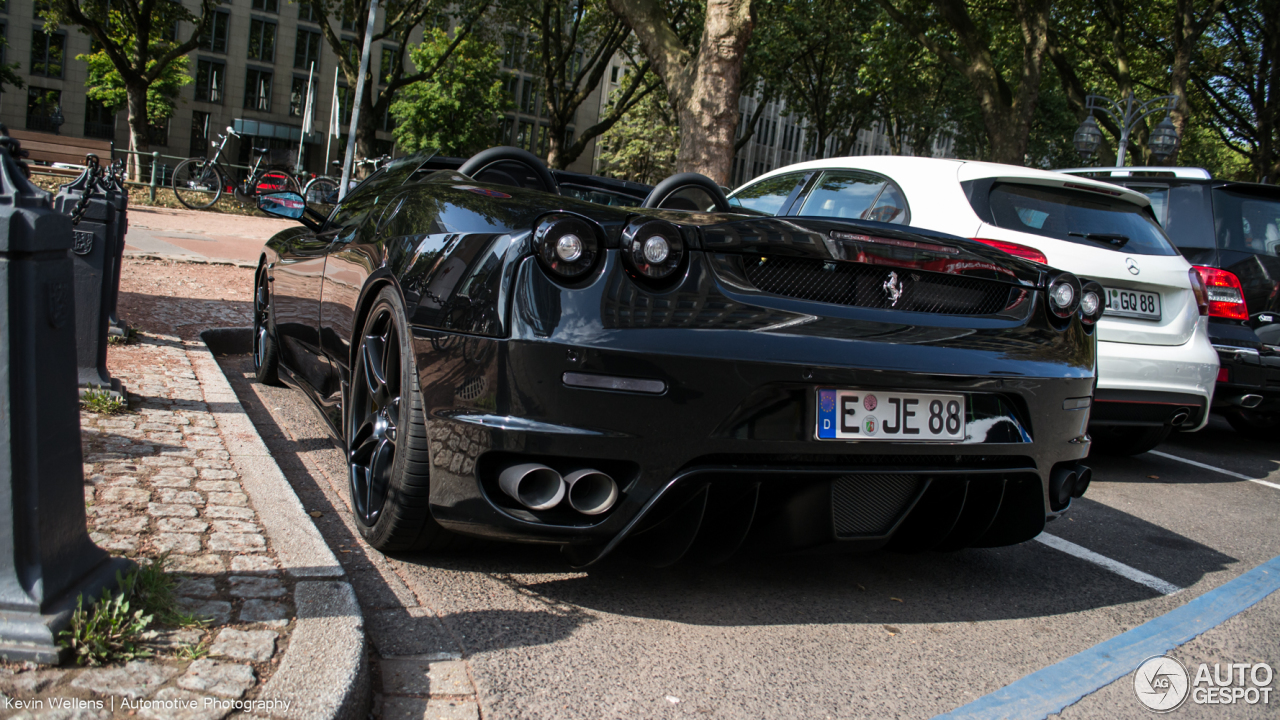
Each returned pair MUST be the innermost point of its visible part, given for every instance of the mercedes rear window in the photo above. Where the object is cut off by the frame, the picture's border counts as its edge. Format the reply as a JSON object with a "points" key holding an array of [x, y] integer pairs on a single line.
{"points": [[1247, 222], [1077, 216]]}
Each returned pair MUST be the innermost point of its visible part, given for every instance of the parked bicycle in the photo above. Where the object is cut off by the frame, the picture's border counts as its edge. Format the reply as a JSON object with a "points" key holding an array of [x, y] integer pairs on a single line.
{"points": [[323, 189], [199, 182]]}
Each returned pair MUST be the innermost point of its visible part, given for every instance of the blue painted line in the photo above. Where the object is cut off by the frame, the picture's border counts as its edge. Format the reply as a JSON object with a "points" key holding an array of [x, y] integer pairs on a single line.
{"points": [[1048, 691]]}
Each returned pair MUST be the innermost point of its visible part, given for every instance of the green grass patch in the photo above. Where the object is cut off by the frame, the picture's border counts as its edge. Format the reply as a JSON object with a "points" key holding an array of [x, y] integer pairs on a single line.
{"points": [[100, 400], [119, 627]]}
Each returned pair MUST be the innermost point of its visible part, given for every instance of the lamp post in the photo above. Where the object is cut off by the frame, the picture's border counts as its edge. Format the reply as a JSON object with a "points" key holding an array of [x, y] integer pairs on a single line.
{"points": [[1164, 138]]}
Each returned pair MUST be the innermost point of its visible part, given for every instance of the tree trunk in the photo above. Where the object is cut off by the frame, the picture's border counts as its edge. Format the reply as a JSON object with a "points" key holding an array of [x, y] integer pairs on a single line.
{"points": [[704, 87], [139, 140]]}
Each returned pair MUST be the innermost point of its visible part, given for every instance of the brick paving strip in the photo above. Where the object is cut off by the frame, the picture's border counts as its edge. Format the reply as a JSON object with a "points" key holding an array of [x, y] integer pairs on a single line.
{"points": [[183, 474]]}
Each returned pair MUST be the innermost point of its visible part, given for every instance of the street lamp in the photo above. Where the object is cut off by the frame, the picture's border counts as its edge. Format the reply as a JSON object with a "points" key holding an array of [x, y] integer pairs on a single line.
{"points": [[1088, 138], [1164, 138]]}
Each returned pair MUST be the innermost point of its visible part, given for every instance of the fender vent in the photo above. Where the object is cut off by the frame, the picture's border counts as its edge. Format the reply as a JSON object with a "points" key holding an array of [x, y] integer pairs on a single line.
{"points": [[870, 505]]}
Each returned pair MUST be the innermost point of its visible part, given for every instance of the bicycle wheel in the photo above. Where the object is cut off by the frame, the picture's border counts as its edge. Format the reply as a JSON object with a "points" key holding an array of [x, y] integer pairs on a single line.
{"points": [[271, 181], [197, 183], [321, 191]]}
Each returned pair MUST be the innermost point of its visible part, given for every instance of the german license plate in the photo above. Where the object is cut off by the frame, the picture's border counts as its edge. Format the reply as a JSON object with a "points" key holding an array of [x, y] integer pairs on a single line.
{"points": [[889, 416], [1133, 303]]}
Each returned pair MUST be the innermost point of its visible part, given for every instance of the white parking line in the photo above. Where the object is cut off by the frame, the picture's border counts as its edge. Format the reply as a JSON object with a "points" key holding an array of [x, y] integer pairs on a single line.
{"points": [[1119, 568], [1215, 469]]}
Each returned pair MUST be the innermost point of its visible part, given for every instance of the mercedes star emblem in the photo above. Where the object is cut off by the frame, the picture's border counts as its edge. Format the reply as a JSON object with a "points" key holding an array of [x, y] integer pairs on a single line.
{"points": [[892, 288], [1132, 265]]}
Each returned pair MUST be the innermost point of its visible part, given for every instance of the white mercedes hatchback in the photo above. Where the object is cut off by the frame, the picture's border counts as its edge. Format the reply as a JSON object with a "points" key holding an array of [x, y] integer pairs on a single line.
{"points": [[1156, 365]]}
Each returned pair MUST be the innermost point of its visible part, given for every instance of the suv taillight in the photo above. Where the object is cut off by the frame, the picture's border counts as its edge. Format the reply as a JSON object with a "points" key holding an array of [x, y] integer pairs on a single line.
{"points": [[1225, 294], [1022, 251]]}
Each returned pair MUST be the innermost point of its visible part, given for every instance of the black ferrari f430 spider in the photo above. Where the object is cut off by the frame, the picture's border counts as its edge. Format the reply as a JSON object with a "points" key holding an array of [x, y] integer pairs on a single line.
{"points": [[502, 359]]}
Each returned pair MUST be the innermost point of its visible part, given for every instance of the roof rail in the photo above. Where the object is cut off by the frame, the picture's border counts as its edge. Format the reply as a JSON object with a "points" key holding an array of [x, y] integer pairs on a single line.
{"points": [[1192, 173]]}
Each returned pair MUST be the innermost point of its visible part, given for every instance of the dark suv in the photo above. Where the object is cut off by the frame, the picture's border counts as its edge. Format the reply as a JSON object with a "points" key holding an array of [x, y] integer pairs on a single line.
{"points": [[1231, 232]]}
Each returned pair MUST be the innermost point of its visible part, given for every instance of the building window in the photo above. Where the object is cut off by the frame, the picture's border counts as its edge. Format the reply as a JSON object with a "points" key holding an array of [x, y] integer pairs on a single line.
{"points": [[524, 135], [158, 133], [528, 98], [257, 90], [512, 45], [41, 104], [209, 76], [344, 105], [504, 131], [46, 53], [199, 133], [214, 37], [390, 55], [512, 87], [262, 40], [99, 120], [297, 97], [4, 34], [267, 5], [307, 50], [307, 12], [348, 18]]}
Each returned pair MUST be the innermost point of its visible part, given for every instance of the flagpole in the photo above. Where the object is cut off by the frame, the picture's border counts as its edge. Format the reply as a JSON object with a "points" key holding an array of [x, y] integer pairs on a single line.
{"points": [[334, 121], [307, 100]]}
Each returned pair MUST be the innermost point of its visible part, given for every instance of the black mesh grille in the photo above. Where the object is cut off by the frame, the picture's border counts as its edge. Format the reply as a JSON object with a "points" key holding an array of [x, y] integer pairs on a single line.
{"points": [[870, 504], [863, 285]]}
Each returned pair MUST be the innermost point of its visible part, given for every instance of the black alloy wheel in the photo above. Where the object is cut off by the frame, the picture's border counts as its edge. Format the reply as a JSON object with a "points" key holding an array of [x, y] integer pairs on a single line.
{"points": [[266, 355], [388, 454]]}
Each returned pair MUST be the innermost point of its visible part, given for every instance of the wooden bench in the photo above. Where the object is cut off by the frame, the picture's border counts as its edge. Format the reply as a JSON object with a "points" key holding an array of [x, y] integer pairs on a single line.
{"points": [[47, 148]]}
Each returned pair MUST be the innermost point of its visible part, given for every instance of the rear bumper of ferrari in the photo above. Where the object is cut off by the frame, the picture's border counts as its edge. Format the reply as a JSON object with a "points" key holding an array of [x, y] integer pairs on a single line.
{"points": [[720, 451]]}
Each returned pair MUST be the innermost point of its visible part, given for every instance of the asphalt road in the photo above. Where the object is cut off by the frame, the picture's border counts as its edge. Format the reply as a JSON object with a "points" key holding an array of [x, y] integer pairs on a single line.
{"points": [[870, 636]]}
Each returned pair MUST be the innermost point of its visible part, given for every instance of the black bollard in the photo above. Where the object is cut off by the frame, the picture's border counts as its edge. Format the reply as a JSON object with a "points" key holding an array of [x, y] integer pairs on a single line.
{"points": [[46, 557], [93, 253], [118, 197]]}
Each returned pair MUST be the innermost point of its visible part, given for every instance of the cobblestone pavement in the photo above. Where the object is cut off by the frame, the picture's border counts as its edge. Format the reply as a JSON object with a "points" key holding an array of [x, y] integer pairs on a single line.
{"points": [[159, 482]]}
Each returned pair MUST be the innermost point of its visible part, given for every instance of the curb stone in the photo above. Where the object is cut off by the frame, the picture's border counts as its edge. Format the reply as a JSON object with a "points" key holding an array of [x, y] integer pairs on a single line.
{"points": [[324, 672]]}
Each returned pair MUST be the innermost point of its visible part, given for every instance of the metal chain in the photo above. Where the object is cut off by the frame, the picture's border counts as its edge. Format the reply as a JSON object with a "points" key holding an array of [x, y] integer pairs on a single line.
{"points": [[94, 172]]}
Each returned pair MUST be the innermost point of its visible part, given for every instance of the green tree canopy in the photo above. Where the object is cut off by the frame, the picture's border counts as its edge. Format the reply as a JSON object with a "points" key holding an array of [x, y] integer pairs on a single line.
{"points": [[457, 110], [105, 85]]}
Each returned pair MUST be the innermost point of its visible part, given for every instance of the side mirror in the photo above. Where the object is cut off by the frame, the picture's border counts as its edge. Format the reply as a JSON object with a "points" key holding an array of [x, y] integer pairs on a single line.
{"points": [[283, 204]]}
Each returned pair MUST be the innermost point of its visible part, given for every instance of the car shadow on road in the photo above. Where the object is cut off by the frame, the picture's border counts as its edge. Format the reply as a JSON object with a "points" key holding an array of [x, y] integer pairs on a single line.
{"points": [[1029, 580]]}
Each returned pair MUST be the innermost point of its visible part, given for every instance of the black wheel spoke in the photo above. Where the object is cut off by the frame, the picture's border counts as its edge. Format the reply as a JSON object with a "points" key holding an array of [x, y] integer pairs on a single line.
{"points": [[374, 416]]}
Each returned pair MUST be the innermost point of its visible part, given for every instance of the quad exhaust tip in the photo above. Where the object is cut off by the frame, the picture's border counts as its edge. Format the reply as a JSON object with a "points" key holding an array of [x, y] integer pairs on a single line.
{"points": [[533, 485], [539, 487], [1066, 482], [591, 492]]}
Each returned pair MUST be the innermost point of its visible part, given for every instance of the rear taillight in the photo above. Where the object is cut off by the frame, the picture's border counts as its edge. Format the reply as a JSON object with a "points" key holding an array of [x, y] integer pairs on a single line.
{"points": [[1200, 291], [1022, 251], [1224, 375], [1225, 294]]}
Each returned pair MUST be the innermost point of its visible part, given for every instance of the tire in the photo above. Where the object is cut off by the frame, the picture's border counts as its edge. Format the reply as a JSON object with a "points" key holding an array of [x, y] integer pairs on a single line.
{"points": [[1128, 440], [266, 352], [321, 191], [1254, 425], [388, 455], [197, 183], [274, 180]]}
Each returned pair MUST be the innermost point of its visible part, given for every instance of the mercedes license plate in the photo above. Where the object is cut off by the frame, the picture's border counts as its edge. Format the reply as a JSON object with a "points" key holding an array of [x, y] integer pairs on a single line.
{"points": [[889, 416], [1133, 303]]}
